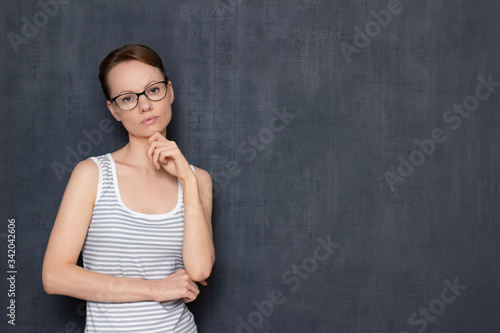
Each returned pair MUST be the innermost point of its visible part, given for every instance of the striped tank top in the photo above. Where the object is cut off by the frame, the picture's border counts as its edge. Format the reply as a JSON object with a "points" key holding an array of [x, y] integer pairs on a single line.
{"points": [[123, 242]]}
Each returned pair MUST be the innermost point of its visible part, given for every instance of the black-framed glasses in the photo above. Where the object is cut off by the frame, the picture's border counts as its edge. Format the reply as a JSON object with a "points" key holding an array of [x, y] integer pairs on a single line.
{"points": [[127, 101]]}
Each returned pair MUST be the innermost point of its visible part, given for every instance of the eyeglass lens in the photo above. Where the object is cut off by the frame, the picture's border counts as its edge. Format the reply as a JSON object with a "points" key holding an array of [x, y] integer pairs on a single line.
{"points": [[154, 92]]}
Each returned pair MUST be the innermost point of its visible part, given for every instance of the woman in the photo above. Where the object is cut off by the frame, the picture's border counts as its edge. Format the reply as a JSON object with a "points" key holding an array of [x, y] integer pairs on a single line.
{"points": [[141, 216]]}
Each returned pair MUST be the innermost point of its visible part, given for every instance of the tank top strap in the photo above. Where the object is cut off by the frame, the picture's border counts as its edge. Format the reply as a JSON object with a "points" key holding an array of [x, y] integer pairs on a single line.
{"points": [[105, 175]]}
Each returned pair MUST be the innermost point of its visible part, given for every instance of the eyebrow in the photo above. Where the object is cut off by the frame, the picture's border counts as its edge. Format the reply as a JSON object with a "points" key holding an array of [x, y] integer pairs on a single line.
{"points": [[130, 91]]}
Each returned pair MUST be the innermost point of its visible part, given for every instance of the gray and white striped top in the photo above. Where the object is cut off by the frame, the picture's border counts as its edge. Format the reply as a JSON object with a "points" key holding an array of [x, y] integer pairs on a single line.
{"points": [[123, 242]]}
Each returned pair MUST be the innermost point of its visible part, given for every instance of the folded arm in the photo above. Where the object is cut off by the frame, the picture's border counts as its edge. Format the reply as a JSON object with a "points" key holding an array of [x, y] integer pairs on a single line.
{"points": [[198, 248], [60, 273]]}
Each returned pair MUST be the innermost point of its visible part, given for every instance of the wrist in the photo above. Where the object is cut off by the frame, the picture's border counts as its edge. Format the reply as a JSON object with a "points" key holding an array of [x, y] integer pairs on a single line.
{"points": [[151, 289], [189, 181]]}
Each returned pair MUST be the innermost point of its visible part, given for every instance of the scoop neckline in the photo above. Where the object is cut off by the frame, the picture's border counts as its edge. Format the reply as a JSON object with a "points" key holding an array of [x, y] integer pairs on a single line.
{"points": [[133, 212]]}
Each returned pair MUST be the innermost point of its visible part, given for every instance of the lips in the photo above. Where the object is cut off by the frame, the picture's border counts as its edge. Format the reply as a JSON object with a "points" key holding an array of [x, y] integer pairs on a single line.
{"points": [[149, 120]]}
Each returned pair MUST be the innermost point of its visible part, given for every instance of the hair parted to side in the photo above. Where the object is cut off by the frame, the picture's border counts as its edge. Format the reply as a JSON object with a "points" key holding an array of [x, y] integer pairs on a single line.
{"points": [[128, 52]]}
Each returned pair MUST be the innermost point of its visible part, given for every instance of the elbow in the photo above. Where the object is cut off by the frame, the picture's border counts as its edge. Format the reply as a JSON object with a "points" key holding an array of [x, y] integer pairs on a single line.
{"points": [[51, 280], [49, 283], [200, 275]]}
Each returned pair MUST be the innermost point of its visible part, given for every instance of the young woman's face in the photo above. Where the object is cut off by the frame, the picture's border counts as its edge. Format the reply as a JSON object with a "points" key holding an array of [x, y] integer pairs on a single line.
{"points": [[135, 76]]}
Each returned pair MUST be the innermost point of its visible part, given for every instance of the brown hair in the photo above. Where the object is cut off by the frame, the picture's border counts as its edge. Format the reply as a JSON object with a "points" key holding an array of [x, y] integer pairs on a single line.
{"points": [[137, 52]]}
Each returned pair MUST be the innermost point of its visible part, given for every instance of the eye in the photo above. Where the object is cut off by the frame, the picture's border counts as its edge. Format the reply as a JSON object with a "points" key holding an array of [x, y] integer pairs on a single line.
{"points": [[127, 99], [154, 90]]}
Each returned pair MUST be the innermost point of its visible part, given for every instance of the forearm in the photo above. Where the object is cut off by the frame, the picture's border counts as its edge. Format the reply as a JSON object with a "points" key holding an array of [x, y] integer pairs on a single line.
{"points": [[75, 281], [197, 249]]}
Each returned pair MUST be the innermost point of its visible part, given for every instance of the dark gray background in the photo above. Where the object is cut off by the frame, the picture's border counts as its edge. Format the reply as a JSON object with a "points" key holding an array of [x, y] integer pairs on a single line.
{"points": [[322, 175]]}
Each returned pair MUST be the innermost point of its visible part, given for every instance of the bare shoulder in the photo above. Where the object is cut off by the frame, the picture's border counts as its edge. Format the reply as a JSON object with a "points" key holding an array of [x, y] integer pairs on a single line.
{"points": [[202, 175], [204, 182], [205, 190], [84, 180], [86, 170]]}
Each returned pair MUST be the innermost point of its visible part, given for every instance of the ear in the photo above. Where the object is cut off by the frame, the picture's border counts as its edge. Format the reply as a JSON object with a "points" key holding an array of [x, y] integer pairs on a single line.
{"points": [[112, 110], [170, 92]]}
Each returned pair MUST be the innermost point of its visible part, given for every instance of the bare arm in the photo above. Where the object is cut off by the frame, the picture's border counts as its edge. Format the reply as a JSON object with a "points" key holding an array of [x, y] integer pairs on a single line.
{"points": [[197, 246], [198, 249], [60, 273]]}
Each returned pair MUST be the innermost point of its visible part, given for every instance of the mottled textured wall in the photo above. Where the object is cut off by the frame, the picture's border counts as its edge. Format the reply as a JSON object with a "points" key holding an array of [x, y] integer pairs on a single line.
{"points": [[353, 147]]}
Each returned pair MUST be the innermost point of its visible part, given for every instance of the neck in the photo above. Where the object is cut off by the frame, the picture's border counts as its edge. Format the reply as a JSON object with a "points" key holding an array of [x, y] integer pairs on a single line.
{"points": [[134, 152]]}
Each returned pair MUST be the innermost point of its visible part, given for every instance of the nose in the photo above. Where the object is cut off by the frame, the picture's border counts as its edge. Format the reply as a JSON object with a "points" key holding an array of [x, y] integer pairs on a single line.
{"points": [[144, 104]]}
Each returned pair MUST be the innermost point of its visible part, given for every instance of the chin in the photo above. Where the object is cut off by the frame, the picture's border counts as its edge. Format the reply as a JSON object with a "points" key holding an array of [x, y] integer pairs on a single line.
{"points": [[153, 130]]}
